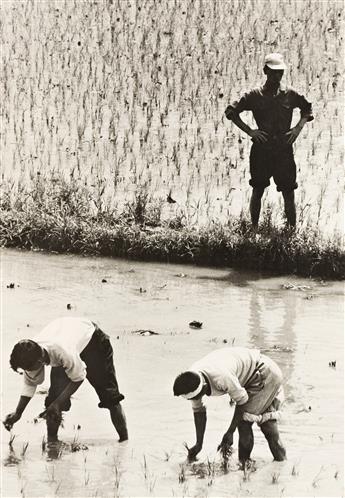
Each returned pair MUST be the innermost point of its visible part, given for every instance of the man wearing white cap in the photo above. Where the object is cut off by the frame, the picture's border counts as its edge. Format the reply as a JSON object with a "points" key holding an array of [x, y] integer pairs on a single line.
{"points": [[252, 380], [272, 153]]}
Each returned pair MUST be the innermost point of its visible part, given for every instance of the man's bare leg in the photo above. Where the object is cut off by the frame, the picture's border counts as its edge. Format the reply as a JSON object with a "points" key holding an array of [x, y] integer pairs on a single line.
{"points": [[271, 433], [246, 441], [289, 206], [255, 205], [119, 421], [53, 424]]}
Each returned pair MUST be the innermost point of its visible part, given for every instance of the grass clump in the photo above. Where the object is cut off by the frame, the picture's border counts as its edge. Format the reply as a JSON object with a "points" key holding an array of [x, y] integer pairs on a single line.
{"points": [[61, 216]]}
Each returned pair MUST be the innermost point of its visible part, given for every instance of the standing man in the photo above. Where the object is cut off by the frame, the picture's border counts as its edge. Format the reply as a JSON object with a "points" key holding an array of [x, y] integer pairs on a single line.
{"points": [[76, 349], [272, 153], [253, 381]]}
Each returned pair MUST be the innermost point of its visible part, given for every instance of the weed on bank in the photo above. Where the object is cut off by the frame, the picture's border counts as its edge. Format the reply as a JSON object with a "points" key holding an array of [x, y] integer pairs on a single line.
{"points": [[62, 216]]}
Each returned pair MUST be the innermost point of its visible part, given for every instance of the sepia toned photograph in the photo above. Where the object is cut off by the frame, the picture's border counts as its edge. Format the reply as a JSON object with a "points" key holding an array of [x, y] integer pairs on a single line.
{"points": [[172, 248]]}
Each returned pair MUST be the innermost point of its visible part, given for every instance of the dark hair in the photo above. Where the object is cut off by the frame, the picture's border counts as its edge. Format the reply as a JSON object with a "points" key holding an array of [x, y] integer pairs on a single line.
{"points": [[25, 354], [185, 383], [267, 69]]}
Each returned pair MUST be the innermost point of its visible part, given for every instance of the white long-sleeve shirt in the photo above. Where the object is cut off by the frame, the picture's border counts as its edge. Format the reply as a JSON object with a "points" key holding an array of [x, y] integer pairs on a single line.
{"points": [[63, 339], [227, 370]]}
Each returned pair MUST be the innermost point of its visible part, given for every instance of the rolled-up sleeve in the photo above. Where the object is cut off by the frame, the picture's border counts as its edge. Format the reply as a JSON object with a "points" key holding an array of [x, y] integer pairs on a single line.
{"points": [[232, 386], [74, 367], [244, 104], [305, 107]]}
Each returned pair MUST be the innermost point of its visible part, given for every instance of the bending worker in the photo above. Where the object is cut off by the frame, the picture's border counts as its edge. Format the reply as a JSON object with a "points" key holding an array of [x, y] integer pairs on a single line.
{"points": [[252, 380], [76, 349]]}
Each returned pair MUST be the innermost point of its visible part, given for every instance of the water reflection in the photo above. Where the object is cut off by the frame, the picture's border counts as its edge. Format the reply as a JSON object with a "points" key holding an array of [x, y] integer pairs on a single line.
{"points": [[272, 318], [238, 278], [54, 450]]}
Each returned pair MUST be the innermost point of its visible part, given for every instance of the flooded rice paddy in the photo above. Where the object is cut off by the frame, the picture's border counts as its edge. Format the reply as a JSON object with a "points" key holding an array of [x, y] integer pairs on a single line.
{"points": [[298, 322]]}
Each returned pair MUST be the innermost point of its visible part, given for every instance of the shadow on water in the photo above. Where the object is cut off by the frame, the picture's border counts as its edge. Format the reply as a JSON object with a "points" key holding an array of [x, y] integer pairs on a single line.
{"points": [[237, 278]]}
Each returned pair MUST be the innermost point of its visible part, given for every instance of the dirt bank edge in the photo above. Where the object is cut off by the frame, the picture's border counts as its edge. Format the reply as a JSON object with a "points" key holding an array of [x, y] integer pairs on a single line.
{"points": [[270, 249]]}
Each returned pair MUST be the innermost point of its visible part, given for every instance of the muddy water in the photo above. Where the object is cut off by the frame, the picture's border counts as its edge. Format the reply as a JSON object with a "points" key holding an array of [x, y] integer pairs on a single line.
{"points": [[297, 322]]}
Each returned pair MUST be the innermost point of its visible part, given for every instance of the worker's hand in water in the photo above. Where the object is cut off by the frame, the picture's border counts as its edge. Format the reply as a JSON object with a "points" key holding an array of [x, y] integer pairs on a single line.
{"points": [[225, 446], [193, 451], [10, 420]]}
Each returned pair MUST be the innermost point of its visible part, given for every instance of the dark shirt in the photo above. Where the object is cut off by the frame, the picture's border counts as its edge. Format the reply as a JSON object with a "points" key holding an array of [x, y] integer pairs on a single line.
{"points": [[272, 113]]}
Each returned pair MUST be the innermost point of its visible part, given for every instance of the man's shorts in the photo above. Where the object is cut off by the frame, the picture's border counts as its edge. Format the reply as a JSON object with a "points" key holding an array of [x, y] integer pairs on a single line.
{"points": [[275, 161], [100, 372], [265, 391]]}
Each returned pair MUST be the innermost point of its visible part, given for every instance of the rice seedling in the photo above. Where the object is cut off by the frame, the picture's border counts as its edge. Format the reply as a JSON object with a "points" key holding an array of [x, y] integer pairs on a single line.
{"points": [[182, 474], [226, 452], [50, 473], [57, 489], [117, 477], [248, 468], [86, 477], [150, 478], [22, 491], [317, 478], [275, 477], [294, 470], [24, 449], [167, 456], [11, 440]]}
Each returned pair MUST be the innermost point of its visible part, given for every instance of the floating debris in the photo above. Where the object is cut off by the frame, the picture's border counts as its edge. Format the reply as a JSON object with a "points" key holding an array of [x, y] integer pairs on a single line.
{"points": [[305, 409], [332, 364], [181, 275], [11, 285], [309, 297], [104, 280], [281, 349], [291, 286], [160, 287], [76, 446], [170, 200], [69, 306], [144, 332], [141, 290], [195, 324]]}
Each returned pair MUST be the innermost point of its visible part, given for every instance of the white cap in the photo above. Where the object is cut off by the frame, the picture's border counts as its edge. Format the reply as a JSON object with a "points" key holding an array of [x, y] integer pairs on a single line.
{"points": [[275, 61]]}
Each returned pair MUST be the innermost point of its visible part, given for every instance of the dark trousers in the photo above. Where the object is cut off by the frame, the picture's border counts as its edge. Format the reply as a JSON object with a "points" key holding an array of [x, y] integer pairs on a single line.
{"points": [[100, 372]]}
